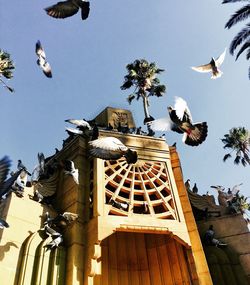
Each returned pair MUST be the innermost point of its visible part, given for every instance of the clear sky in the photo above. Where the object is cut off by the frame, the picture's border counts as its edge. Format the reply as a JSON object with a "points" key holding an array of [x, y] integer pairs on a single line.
{"points": [[88, 60]]}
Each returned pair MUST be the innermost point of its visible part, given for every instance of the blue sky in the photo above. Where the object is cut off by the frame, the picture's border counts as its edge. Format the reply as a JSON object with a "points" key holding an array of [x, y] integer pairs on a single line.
{"points": [[88, 60]]}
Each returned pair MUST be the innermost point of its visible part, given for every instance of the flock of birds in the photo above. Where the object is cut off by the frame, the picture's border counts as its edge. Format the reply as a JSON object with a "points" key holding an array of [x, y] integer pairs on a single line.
{"points": [[179, 120]]}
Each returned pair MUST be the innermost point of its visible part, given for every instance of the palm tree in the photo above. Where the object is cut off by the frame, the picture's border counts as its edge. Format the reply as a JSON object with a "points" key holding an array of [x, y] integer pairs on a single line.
{"points": [[243, 37], [142, 75], [6, 68], [238, 140]]}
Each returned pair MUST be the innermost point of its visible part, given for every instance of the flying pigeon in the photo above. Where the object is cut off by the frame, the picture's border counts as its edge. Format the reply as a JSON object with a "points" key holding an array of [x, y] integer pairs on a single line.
{"points": [[39, 169], [6, 184], [110, 148], [212, 66], [56, 237], [41, 61], [69, 169], [180, 121], [68, 8], [80, 124], [3, 224]]}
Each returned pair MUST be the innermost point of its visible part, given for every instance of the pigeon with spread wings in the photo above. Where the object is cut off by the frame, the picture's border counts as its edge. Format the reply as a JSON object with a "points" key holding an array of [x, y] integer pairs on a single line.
{"points": [[69, 8], [41, 61], [6, 184], [180, 121], [110, 148], [212, 66]]}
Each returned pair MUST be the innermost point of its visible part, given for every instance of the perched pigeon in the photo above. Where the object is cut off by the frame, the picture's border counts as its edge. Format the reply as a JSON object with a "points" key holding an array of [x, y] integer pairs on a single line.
{"points": [[69, 8], [3, 224], [195, 189], [212, 66], [180, 121], [188, 185], [69, 169], [42, 62], [119, 205], [20, 166], [110, 148]]}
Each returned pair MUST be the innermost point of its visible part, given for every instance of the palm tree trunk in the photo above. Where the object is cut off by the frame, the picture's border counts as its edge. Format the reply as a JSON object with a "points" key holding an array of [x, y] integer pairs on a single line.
{"points": [[146, 112], [145, 105]]}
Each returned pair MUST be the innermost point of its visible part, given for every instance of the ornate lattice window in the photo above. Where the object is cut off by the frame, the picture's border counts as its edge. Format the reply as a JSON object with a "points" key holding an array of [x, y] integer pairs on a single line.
{"points": [[141, 188]]}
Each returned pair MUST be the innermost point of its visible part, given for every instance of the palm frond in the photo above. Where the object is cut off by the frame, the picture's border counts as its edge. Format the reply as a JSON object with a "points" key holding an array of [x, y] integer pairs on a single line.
{"points": [[237, 159], [239, 38], [130, 98], [243, 48], [233, 1], [240, 15], [228, 155]]}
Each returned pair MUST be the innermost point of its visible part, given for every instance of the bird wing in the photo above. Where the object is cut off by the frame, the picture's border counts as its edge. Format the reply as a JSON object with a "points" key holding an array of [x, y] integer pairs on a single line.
{"points": [[74, 131], [194, 134], [5, 164], [9, 182], [217, 187], [181, 109], [235, 188], [79, 123], [221, 58], [39, 50], [105, 154], [85, 10], [108, 143], [162, 124], [202, 68], [62, 9], [47, 69]]}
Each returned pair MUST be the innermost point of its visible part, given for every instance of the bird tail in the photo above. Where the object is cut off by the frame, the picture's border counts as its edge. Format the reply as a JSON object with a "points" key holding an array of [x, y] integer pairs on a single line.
{"points": [[131, 156], [196, 135], [216, 74], [85, 9]]}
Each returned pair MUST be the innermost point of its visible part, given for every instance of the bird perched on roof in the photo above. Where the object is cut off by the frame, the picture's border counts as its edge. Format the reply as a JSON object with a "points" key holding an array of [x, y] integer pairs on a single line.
{"points": [[41, 61], [69, 169], [111, 148], [188, 185], [69, 8], [180, 121], [212, 66], [21, 166], [195, 188]]}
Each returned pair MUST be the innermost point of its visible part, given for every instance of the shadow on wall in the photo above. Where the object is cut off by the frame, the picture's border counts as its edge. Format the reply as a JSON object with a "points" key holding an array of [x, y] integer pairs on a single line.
{"points": [[225, 267]]}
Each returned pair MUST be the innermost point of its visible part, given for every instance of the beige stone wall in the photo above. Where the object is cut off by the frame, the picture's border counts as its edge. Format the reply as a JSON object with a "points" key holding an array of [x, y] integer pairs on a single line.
{"points": [[233, 230]]}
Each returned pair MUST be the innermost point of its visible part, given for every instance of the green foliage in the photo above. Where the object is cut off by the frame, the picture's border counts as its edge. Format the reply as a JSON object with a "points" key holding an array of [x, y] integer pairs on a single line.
{"points": [[142, 76], [6, 65], [238, 140], [243, 37], [6, 68]]}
